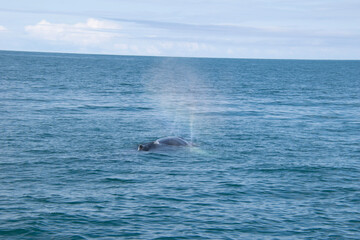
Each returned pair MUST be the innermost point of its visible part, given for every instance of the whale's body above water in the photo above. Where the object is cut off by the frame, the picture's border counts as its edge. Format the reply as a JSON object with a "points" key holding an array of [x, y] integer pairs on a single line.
{"points": [[163, 142]]}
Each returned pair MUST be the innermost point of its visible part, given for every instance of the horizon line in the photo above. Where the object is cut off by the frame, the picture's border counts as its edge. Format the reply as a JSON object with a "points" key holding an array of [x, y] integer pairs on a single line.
{"points": [[165, 56]]}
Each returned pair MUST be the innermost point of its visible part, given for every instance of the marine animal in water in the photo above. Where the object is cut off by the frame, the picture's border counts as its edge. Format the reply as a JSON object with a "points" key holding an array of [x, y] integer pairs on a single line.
{"points": [[163, 142]]}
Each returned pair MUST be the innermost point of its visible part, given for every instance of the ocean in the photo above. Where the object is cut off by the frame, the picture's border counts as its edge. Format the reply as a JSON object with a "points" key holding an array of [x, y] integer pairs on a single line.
{"points": [[276, 155]]}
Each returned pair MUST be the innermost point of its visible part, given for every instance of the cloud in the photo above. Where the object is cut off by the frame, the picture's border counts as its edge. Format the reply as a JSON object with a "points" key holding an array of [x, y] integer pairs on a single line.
{"points": [[2, 28], [91, 32], [112, 37], [142, 37]]}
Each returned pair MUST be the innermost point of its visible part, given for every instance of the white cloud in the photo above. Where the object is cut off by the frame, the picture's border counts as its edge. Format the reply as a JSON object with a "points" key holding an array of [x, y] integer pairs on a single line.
{"points": [[111, 37], [2, 28], [92, 32]]}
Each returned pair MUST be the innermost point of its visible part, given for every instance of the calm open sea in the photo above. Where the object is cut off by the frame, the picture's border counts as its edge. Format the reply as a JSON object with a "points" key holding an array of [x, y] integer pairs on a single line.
{"points": [[277, 156]]}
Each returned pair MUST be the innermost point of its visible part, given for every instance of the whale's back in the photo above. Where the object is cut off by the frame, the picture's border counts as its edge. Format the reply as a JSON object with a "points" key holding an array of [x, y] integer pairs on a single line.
{"points": [[172, 141]]}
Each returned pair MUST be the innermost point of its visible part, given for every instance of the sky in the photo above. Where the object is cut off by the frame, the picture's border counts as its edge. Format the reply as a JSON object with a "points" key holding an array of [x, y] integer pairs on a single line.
{"points": [[275, 29]]}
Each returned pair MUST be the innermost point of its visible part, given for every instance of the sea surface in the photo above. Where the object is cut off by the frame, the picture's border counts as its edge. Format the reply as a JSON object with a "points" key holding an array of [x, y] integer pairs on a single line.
{"points": [[276, 155]]}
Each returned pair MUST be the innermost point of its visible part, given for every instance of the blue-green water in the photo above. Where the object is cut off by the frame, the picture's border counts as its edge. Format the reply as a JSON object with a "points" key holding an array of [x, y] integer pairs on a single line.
{"points": [[277, 156]]}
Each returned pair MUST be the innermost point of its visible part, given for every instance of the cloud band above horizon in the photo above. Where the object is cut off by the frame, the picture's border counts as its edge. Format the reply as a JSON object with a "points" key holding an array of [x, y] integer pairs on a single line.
{"points": [[167, 35]]}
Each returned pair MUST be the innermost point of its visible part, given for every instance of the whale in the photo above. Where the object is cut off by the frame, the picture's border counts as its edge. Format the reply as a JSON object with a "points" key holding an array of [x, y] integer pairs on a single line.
{"points": [[164, 142]]}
